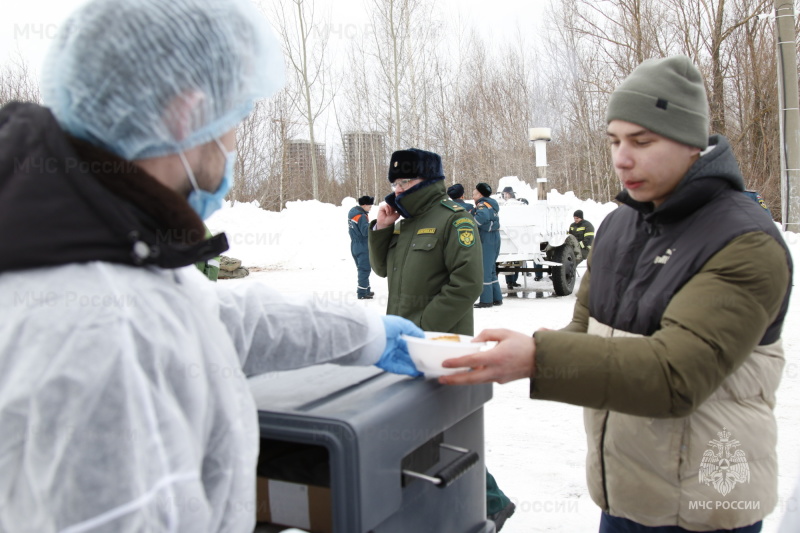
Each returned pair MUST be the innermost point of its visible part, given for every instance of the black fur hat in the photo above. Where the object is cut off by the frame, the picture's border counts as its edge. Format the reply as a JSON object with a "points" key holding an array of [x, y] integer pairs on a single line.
{"points": [[366, 200], [415, 163], [484, 188], [455, 191]]}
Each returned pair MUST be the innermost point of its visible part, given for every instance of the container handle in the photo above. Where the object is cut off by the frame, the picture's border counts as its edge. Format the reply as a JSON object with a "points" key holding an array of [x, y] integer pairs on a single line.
{"points": [[452, 470]]}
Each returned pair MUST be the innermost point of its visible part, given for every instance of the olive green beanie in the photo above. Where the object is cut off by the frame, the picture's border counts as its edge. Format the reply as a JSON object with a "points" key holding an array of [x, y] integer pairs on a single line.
{"points": [[666, 96]]}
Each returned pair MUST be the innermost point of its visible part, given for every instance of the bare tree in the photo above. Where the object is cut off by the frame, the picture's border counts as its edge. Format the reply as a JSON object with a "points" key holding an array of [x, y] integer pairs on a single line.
{"points": [[401, 28], [305, 41], [260, 145], [706, 26], [600, 43], [446, 100], [751, 103], [17, 82], [418, 81], [362, 114]]}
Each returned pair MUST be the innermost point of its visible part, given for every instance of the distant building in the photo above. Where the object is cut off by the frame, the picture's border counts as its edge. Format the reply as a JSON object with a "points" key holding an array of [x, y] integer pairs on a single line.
{"points": [[365, 160], [298, 167]]}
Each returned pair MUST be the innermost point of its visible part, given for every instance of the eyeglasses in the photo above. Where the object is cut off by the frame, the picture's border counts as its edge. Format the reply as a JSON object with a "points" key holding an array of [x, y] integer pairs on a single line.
{"points": [[402, 183]]}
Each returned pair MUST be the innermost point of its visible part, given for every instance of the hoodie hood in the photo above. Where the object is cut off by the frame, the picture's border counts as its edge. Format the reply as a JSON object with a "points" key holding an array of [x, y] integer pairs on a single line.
{"points": [[63, 200]]}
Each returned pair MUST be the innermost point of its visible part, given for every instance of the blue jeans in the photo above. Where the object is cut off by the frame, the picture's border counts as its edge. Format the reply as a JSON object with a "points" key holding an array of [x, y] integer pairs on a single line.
{"points": [[615, 524]]}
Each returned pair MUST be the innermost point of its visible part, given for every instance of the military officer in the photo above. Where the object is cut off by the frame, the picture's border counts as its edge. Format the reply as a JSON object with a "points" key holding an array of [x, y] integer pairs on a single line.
{"points": [[432, 256], [433, 260]]}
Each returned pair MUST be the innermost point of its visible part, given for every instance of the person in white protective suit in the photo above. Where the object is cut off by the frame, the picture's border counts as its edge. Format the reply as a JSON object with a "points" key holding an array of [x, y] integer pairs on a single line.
{"points": [[123, 397]]}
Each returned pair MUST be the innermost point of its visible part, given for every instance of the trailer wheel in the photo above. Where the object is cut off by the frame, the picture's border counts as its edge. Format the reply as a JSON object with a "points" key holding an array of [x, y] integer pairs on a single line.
{"points": [[564, 276]]}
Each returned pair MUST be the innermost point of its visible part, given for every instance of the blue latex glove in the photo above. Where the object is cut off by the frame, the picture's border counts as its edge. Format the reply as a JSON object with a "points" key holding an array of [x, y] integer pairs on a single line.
{"points": [[395, 357]]}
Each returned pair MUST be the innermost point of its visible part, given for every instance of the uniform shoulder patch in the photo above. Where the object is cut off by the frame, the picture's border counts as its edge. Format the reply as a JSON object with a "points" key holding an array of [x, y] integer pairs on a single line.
{"points": [[464, 220], [466, 233], [452, 206]]}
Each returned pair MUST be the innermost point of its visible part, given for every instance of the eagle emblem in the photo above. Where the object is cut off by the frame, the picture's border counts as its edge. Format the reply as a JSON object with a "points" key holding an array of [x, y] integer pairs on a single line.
{"points": [[723, 466], [466, 236]]}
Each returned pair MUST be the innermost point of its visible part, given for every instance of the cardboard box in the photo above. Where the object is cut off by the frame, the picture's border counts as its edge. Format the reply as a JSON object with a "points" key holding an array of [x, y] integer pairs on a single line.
{"points": [[306, 507]]}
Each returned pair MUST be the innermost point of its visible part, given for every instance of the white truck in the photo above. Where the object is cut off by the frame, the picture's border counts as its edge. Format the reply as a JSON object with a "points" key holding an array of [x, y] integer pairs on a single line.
{"points": [[536, 234]]}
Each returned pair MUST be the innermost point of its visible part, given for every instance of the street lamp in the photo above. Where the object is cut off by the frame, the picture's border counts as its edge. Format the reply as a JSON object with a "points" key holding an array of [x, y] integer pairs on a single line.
{"points": [[539, 137]]}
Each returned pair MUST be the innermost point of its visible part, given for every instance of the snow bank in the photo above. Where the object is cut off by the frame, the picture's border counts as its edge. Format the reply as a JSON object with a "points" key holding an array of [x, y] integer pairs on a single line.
{"points": [[306, 235], [310, 235]]}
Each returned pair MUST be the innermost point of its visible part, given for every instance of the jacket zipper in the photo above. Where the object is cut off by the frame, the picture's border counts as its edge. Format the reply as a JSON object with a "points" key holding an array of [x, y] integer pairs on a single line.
{"points": [[603, 462]]}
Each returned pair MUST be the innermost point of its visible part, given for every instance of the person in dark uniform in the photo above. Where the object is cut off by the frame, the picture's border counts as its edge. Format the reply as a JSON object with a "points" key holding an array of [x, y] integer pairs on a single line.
{"points": [[498, 506], [583, 230], [486, 216], [456, 193], [358, 224], [433, 261], [757, 198]]}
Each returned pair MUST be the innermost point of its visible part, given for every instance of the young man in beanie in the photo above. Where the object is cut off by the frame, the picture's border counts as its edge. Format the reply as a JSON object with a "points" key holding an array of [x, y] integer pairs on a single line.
{"points": [[358, 227], [582, 230], [675, 344], [486, 215], [125, 404]]}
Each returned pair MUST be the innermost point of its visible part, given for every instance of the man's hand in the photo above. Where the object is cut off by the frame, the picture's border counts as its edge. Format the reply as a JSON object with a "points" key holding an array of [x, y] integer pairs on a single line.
{"points": [[387, 216], [513, 358]]}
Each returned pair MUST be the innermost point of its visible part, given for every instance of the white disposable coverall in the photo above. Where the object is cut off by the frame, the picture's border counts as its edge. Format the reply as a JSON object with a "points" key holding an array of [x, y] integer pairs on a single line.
{"points": [[123, 405]]}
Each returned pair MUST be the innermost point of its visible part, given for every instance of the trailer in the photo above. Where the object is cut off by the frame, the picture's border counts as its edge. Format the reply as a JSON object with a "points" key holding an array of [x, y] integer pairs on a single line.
{"points": [[534, 238]]}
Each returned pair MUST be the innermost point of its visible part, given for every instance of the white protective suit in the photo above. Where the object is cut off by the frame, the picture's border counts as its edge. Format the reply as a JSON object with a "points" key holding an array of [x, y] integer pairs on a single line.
{"points": [[123, 405]]}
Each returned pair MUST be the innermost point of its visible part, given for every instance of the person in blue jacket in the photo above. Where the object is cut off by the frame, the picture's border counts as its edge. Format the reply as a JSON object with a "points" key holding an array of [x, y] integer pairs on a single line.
{"points": [[486, 216], [358, 222], [756, 196], [456, 193]]}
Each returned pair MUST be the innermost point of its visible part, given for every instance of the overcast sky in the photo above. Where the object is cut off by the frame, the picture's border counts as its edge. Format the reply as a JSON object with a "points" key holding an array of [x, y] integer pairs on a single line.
{"points": [[28, 26]]}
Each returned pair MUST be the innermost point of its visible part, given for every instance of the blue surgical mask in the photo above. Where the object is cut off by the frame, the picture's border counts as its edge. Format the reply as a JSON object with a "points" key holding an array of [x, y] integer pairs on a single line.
{"points": [[205, 203]]}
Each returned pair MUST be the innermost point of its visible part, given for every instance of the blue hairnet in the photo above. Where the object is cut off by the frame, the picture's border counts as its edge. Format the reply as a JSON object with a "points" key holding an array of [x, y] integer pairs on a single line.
{"points": [[144, 78]]}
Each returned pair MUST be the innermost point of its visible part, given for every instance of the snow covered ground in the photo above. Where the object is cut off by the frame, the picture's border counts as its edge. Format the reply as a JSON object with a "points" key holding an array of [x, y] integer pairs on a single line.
{"points": [[535, 449]]}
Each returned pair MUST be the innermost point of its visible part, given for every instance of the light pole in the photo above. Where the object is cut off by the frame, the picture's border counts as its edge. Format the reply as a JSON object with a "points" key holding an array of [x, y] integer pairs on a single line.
{"points": [[539, 137], [789, 115]]}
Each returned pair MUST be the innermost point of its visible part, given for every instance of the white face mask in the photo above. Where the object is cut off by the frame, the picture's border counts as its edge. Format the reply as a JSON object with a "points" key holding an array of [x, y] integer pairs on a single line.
{"points": [[205, 203]]}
